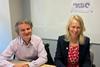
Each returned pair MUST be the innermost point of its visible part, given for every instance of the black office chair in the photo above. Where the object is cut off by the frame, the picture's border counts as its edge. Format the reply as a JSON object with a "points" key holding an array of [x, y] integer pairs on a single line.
{"points": [[50, 60]]}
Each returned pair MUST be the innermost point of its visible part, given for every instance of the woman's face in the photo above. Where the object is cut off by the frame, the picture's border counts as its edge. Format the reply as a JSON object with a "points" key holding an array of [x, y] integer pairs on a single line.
{"points": [[25, 31], [74, 29]]}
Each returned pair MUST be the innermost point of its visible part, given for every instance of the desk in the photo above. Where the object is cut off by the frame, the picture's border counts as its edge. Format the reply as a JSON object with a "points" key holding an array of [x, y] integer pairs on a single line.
{"points": [[47, 65], [44, 65]]}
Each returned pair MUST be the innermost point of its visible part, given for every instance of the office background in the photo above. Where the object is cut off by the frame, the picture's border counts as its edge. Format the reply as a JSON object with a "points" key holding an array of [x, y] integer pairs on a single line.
{"points": [[49, 18]]}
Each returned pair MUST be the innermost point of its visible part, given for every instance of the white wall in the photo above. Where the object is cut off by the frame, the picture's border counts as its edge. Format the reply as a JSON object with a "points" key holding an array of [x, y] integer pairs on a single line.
{"points": [[19, 9], [51, 16], [96, 51], [5, 24]]}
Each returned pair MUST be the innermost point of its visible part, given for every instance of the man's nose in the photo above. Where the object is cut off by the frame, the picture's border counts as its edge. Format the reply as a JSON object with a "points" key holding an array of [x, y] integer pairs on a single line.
{"points": [[26, 31]]}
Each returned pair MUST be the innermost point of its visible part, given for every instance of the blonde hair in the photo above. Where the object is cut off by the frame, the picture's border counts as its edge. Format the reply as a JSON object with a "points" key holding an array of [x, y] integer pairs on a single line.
{"points": [[81, 36]]}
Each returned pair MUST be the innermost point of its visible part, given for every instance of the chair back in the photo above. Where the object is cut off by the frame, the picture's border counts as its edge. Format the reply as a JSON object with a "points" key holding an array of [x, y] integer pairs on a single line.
{"points": [[50, 60]]}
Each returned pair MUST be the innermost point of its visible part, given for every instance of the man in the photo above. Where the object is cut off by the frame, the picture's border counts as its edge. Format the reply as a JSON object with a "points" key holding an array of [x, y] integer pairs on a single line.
{"points": [[25, 46]]}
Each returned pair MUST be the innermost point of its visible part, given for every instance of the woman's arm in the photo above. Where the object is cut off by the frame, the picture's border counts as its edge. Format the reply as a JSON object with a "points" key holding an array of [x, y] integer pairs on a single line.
{"points": [[58, 56], [87, 62]]}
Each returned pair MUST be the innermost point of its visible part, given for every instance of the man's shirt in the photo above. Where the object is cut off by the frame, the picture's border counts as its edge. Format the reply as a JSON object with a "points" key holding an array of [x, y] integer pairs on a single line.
{"points": [[33, 52]]}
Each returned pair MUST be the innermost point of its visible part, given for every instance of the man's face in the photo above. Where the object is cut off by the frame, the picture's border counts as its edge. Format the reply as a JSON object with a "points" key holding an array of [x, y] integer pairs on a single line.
{"points": [[25, 31]]}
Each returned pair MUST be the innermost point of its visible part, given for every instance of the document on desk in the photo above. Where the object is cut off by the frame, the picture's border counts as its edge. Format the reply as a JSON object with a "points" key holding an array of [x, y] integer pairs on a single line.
{"points": [[47, 65], [44, 65]]}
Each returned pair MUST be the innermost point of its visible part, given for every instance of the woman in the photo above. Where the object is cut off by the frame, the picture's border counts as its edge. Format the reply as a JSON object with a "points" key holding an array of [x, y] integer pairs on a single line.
{"points": [[73, 47]]}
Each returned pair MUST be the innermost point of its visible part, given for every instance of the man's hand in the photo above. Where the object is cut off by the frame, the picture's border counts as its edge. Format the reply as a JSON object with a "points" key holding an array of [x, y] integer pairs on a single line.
{"points": [[21, 65]]}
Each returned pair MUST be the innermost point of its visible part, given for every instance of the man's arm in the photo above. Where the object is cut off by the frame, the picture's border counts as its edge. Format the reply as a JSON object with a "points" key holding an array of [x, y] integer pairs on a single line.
{"points": [[5, 56], [42, 56]]}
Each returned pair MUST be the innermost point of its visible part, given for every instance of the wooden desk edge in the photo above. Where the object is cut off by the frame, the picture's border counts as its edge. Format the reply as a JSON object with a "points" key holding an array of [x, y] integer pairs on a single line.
{"points": [[47, 65], [44, 65]]}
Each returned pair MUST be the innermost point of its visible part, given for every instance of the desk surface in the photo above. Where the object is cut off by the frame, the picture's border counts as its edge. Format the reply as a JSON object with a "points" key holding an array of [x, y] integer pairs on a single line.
{"points": [[44, 65]]}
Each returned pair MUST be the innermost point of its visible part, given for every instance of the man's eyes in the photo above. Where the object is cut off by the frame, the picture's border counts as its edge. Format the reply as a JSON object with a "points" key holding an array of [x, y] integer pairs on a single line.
{"points": [[25, 29], [28, 28]]}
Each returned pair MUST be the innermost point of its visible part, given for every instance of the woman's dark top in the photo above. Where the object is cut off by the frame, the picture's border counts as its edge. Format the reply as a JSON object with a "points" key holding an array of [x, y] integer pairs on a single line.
{"points": [[61, 56]]}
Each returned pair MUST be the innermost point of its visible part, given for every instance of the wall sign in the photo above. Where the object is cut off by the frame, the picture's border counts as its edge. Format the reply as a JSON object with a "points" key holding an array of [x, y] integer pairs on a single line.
{"points": [[81, 6]]}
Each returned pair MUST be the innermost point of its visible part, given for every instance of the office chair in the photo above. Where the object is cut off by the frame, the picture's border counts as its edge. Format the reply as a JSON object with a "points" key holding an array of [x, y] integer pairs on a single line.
{"points": [[50, 60]]}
